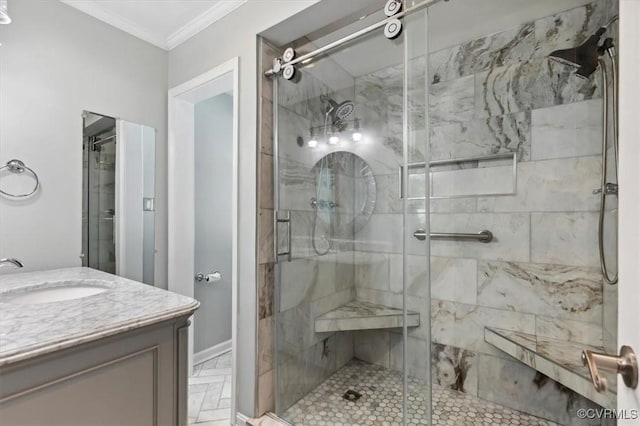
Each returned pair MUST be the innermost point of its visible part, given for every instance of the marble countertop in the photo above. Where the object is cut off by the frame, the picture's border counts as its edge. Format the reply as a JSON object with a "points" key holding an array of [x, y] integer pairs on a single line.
{"points": [[30, 330]]}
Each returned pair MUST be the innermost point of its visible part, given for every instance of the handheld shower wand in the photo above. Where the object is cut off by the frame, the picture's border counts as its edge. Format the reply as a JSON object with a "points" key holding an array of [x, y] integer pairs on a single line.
{"points": [[586, 58]]}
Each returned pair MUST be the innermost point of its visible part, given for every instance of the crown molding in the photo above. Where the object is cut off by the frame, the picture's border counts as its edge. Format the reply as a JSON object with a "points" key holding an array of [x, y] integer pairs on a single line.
{"points": [[193, 27], [93, 8]]}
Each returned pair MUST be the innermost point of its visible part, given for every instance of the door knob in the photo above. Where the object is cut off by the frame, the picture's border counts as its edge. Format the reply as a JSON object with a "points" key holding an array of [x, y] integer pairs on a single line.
{"points": [[212, 277], [626, 365]]}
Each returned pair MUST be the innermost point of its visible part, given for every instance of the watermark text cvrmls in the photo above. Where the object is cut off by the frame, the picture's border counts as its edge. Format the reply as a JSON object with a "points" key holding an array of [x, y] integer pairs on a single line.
{"points": [[607, 413]]}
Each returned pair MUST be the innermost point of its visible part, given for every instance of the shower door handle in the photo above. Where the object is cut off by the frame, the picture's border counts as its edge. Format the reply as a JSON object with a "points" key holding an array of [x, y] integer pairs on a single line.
{"points": [[626, 364], [276, 221], [401, 184]]}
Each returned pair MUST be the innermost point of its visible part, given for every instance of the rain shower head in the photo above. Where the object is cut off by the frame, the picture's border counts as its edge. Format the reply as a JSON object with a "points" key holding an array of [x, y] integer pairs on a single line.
{"points": [[339, 112], [584, 57]]}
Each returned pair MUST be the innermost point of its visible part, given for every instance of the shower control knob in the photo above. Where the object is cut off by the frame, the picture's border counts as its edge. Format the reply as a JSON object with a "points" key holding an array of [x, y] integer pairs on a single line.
{"points": [[288, 72], [393, 29], [392, 7], [289, 54]]}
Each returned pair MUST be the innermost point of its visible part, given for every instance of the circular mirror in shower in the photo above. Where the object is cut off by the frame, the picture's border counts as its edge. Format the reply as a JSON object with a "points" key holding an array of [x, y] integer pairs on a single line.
{"points": [[345, 192]]}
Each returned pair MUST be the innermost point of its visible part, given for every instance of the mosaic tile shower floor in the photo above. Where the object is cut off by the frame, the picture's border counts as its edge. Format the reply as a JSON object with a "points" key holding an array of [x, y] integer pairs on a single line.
{"points": [[381, 403]]}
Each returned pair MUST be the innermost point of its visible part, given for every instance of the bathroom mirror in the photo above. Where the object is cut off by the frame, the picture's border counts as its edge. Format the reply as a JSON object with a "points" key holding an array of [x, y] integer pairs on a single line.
{"points": [[345, 191], [118, 194]]}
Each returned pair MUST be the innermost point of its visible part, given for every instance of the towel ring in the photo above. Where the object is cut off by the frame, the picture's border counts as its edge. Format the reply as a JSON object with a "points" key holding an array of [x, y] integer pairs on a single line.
{"points": [[17, 166]]}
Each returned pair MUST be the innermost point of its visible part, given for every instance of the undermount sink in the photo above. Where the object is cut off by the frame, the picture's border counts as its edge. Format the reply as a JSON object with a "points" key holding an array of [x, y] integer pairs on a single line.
{"points": [[55, 292]]}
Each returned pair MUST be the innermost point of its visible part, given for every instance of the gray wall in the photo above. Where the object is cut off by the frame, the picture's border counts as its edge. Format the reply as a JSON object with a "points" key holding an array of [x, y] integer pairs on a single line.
{"points": [[213, 233], [56, 62]]}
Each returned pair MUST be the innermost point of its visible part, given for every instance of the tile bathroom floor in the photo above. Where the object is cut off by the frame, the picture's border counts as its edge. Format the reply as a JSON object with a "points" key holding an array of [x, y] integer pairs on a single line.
{"points": [[210, 392], [381, 403]]}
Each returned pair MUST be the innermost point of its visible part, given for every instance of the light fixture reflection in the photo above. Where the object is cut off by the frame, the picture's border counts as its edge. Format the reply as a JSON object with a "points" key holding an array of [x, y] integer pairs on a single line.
{"points": [[357, 134], [313, 142], [341, 134], [4, 15]]}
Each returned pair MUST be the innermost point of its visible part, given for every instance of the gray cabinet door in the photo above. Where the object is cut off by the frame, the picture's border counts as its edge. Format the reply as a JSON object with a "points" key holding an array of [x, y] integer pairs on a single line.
{"points": [[135, 378]]}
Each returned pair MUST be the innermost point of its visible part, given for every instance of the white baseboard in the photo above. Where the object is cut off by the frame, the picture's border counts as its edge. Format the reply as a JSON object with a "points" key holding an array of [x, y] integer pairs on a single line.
{"points": [[211, 352]]}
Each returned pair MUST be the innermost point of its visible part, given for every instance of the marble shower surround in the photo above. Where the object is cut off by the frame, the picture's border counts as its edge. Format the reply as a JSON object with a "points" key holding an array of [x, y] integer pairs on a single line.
{"points": [[553, 286], [533, 126], [379, 245], [540, 275]]}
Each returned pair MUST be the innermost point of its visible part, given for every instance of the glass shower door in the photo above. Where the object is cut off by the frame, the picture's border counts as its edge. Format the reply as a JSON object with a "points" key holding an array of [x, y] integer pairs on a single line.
{"points": [[516, 137], [99, 192], [352, 288], [102, 207]]}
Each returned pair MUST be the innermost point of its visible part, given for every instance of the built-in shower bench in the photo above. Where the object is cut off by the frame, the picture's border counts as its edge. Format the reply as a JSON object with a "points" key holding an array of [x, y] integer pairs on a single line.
{"points": [[558, 359], [358, 315]]}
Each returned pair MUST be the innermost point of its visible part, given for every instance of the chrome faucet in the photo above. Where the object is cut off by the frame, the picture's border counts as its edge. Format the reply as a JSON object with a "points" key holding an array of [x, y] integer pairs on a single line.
{"points": [[13, 261]]}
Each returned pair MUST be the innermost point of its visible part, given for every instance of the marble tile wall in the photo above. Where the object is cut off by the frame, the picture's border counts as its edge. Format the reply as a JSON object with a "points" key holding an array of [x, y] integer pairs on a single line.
{"points": [[380, 244], [495, 94], [513, 384]]}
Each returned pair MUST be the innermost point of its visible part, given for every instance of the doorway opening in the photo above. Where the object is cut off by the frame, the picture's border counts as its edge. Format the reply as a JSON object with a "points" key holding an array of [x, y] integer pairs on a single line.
{"points": [[203, 159]]}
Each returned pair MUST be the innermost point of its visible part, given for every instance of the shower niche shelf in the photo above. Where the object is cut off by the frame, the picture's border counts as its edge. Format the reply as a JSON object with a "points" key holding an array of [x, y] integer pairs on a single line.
{"points": [[557, 359], [358, 315]]}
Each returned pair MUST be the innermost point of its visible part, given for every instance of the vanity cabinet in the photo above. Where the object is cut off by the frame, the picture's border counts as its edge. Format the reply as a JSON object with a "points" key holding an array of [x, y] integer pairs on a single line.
{"points": [[136, 378]]}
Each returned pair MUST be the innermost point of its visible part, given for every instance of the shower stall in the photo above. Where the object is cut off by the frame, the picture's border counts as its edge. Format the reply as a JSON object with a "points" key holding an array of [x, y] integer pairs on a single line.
{"points": [[99, 192], [437, 187], [118, 193]]}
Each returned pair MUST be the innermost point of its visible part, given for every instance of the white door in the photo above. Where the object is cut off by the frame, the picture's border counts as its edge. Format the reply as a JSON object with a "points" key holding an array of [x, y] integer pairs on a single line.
{"points": [[629, 204]]}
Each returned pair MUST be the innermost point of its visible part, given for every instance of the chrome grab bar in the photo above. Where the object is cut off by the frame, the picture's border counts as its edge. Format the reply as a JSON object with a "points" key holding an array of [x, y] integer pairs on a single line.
{"points": [[482, 236]]}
